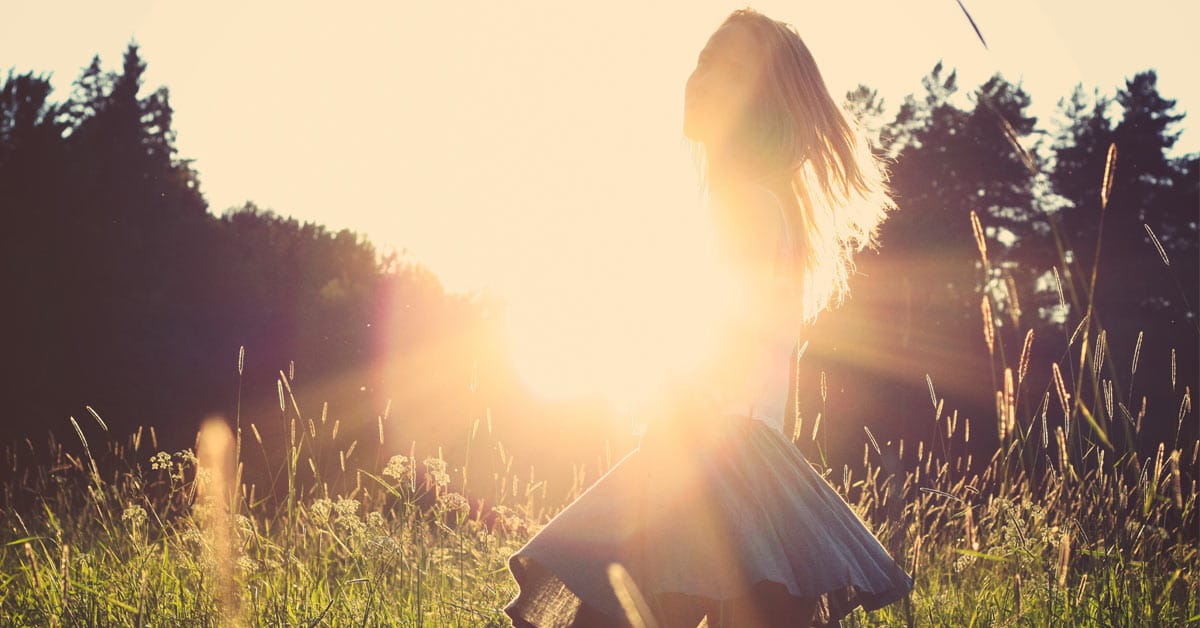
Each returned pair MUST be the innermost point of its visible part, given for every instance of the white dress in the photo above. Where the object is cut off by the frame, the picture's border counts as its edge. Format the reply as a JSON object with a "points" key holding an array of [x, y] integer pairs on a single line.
{"points": [[715, 506]]}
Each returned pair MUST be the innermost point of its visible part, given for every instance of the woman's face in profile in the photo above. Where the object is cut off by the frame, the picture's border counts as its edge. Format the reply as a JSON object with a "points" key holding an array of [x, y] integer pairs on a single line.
{"points": [[719, 91]]}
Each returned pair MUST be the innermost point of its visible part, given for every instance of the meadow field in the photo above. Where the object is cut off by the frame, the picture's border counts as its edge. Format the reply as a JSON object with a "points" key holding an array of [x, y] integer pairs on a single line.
{"points": [[1061, 527], [1084, 514], [1078, 517]]}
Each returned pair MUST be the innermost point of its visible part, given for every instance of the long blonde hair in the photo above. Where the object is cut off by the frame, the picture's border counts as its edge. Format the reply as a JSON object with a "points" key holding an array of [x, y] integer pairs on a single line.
{"points": [[839, 190]]}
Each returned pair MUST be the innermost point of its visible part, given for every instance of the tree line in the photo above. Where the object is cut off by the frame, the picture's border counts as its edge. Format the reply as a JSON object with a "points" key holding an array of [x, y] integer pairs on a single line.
{"points": [[1056, 254], [126, 295]]}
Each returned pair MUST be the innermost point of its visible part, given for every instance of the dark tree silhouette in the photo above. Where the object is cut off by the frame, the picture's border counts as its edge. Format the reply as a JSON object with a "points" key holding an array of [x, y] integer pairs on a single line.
{"points": [[1139, 289], [915, 306], [129, 296]]}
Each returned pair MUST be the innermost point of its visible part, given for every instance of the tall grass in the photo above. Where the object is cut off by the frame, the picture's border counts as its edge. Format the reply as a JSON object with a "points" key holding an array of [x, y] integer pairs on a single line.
{"points": [[1057, 529], [1066, 524], [149, 537]]}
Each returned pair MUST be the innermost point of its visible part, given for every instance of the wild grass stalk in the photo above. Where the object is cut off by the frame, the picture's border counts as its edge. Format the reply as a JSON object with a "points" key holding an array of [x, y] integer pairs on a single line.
{"points": [[1071, 525]]}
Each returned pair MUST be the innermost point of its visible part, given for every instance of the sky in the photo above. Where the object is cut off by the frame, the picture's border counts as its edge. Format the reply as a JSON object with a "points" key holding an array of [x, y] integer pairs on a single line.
{"points": [[519, 147]]}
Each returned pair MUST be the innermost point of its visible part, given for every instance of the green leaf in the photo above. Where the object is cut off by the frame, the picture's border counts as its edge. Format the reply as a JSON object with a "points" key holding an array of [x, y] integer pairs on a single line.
{"points": [[24, 540], [1095, 426], [982, 555], [107, 598]]}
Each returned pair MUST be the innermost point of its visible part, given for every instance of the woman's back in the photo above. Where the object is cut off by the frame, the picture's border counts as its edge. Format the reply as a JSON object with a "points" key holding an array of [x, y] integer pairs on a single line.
{"points": [[748, 372], [772, 337]]}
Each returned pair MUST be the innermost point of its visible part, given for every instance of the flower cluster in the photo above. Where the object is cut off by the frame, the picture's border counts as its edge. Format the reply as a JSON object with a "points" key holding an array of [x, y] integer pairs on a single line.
{"points": [[346, 507], [343, 513], [160, 461], [320, 510], [507, 517], [186, 457], [134, 517], [376, 524], [383, 547], [398, 467], [454, 503], [436, 467]]}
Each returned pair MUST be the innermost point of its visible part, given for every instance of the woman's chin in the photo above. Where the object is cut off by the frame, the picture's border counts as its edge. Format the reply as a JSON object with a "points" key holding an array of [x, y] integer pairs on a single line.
{"points": [[698, 122], [712, 133]]}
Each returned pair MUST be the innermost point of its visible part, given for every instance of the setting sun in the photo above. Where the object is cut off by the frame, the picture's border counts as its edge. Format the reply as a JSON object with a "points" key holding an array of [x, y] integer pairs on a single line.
{"points": [[534, 150], [617, 314]]}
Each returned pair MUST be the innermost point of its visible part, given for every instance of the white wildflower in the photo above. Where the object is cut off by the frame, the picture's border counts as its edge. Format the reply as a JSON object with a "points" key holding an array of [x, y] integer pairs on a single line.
{"points": [[507, 517], [134, 517], [192, 535], [161, 460], [455, 503], [398, 467], [319, 511], [186, 457], [347, 516], [352, 525], [383, 547], [436, 467], [346, 507]]}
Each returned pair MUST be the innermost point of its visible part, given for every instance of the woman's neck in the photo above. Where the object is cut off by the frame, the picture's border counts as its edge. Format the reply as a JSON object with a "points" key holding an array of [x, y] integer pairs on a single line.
{"points": [[739, 163], [733, 193]]}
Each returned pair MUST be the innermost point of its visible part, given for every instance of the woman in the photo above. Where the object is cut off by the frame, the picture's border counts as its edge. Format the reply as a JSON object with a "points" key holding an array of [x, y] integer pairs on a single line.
{"points": [[717, 514]]}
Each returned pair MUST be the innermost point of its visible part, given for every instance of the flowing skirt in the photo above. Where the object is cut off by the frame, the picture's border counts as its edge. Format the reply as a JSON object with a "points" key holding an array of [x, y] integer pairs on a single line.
{"points": [[731, 513]]}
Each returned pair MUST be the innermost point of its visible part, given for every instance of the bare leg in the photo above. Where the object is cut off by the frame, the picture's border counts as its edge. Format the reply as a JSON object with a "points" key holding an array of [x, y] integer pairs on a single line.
{"points": [[806, 609], [763, 607]]}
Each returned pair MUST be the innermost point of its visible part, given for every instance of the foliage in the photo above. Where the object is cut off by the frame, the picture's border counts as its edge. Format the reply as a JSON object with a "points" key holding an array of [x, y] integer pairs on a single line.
{"points": [[1076, 505], [118, 268], [1058, 529]]}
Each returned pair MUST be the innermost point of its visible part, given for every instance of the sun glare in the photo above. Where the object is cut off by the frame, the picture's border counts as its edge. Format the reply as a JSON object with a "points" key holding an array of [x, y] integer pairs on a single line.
{"points": [[645, 310], [533, 150]]}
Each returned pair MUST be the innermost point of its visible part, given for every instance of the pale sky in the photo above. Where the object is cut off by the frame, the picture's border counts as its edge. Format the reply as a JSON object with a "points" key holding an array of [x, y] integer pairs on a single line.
{"points": [[517, 145]]}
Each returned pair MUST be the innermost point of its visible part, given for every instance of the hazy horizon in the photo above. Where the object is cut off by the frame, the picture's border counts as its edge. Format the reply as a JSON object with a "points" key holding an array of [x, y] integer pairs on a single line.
{"points": [[481, 141]]}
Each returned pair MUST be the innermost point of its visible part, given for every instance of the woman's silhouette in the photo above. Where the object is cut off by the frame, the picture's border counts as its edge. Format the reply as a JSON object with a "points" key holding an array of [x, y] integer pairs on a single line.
{"points": [[717, 514]]}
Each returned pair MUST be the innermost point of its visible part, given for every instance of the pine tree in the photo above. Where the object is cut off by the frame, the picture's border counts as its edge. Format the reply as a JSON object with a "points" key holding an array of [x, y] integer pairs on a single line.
{"points": [[1144, 198], [1139, 249]]}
